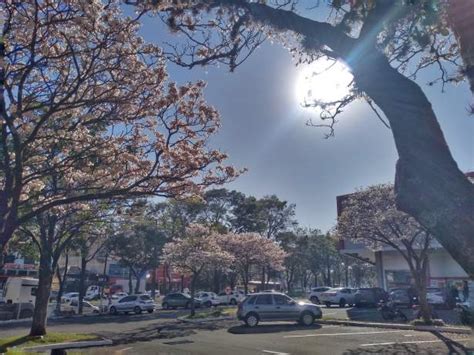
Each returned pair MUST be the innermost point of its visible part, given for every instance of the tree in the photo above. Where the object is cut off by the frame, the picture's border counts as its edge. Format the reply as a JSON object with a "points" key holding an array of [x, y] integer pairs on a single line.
{"points": [[370, 216], [53, 232], [138, 245], [250, 251], [378, 40], [85, 103], [195, 252]]}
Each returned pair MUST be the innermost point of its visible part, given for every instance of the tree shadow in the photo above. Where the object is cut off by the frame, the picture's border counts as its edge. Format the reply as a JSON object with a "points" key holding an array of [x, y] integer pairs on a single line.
{"points": [[453, 346], [16, 342], [270, 328]]}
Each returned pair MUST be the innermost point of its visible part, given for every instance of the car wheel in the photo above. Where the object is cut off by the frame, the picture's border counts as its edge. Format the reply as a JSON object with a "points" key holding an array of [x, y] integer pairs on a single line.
{"points": [[307, 319], [150, 311], [126, 313], [187, 305], [342, 302], [328, 304], [113, 310], [165, 306], [208, 304], [314, 300], [137, 310], [251, 320], [233, 301]]}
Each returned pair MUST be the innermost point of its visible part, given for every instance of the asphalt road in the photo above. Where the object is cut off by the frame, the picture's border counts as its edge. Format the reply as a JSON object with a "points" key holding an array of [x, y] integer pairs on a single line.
{"points": [[287, 338], [159, 333]]}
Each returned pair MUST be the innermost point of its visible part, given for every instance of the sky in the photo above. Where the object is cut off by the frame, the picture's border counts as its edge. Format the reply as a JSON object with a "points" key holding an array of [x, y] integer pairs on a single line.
{"points": [[264, 130]]}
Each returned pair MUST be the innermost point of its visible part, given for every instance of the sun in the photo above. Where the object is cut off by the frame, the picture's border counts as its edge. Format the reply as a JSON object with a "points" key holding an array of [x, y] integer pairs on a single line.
{"points": [[323, 81]]}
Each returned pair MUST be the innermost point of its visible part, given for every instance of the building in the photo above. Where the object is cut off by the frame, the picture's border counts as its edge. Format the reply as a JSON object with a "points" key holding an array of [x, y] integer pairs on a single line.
{"points": [[392, 269]]}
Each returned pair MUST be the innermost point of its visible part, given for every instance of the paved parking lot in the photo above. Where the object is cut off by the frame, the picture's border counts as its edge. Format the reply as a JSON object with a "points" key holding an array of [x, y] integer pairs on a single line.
{"points": [[286, 338]]}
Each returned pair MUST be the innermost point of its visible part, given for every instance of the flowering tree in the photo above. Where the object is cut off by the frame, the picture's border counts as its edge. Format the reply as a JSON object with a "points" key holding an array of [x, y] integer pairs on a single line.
{"points": [[87, 112], [385, 44], [370, 216], [250, 251], [195, 252]]}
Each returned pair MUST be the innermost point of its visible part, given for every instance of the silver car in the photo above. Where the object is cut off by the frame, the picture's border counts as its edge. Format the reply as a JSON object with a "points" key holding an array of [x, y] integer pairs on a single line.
{"points": [[133, 303], [273, 306]]}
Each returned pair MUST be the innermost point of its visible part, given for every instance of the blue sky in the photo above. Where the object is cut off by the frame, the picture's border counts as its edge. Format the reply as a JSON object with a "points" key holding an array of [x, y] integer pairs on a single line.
{"points": [[264, 130]]}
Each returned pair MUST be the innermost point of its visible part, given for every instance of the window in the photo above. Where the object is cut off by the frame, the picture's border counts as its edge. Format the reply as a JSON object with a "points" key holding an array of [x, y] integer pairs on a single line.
{"points": [[282, 300], [33, 291], [251, 300], [204, 295], [145, 297], [127, 299], [222, 294], [264, 299]]}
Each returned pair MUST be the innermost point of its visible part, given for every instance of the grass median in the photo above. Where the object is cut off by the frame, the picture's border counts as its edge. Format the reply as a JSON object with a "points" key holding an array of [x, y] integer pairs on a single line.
{"points": [[215, 313], [15, 344]]}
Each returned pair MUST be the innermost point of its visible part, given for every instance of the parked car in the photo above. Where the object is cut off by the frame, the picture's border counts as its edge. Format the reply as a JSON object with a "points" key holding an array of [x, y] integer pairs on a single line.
{"points": [[179, 299], [70, 296], [118, 295], [341, 296], [232, 298], [402, 296], [436, 296], [315, 293], [274, 306], [370, 296], [73, 308], [133, 303], [208, 299]]}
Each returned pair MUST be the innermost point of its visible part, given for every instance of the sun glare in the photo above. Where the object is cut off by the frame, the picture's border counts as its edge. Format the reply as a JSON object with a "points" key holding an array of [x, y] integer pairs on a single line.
{"points": [[322, 81]]}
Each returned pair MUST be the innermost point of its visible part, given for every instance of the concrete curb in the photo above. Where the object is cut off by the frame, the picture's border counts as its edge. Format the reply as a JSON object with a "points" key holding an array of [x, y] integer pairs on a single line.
{"points": [[425, 328], [69, 345], [203, 320]]}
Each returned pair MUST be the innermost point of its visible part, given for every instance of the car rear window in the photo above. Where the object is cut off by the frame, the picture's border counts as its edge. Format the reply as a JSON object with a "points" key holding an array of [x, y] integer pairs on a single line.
{"points": [[145, 297]]}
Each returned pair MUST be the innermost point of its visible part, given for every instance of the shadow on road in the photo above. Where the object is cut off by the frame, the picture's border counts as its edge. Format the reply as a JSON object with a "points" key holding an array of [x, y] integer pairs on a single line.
{"points": [[270, 328]]}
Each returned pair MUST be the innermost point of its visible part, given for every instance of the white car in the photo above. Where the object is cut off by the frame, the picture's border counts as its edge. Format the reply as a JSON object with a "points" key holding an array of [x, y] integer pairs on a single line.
{"points": [[208, 299], [70, 296], [133, 303], [73, 308], [435, 296], [232, 297], [315, 294], [119, 295], [340, 296]]}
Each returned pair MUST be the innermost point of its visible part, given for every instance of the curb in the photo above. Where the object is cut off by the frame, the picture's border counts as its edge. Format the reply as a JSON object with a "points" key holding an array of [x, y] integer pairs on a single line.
{"points": [[425, 328], [203, 320], [70, 345]]}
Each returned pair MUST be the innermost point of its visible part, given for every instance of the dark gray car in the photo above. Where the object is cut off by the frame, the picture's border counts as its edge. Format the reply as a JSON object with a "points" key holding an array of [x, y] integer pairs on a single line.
{"points": [[273, 306], [178, 299]]}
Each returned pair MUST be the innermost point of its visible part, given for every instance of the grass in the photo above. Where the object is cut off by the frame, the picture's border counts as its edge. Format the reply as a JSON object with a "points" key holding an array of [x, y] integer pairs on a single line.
{"points": [[215, 313], [13, 345]]}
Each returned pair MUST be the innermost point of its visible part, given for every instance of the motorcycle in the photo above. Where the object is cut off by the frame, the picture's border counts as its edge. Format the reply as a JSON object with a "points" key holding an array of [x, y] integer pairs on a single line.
{"points": [[390, 311], [466, 313], [417, 310]]}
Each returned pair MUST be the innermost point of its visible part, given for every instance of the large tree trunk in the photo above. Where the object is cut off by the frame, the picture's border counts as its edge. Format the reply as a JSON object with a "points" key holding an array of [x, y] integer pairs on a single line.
{"points": [[428, 184], [137, 285], [38, 325], [130, 284]]}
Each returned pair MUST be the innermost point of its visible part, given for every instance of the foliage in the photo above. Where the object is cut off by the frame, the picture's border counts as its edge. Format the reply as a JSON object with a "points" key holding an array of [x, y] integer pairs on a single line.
{"points": [[90, 114], [249, 251]]}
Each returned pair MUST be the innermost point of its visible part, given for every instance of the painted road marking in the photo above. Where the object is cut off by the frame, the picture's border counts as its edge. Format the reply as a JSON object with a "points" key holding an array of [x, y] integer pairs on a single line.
{"points": [[124, 350], [339, 334], [412, 342], [274, 352]]}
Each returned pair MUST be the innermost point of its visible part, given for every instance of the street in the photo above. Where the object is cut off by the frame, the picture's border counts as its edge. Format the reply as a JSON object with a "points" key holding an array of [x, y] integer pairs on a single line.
{"points": [[160, 333]]}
